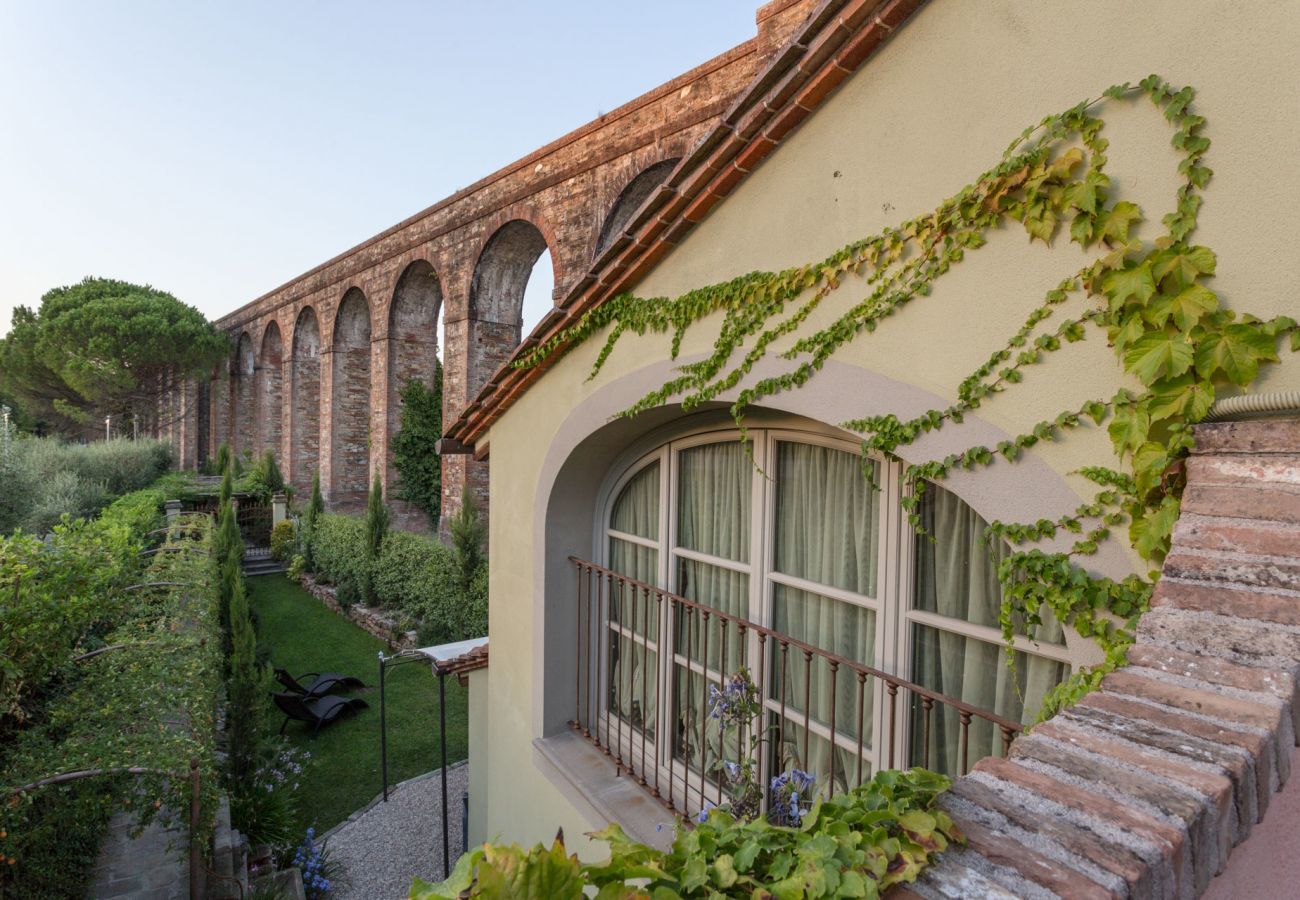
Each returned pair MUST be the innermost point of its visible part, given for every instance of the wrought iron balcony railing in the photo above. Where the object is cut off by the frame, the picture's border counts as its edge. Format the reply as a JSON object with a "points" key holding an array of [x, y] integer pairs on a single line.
{"points": [[646, 660]]}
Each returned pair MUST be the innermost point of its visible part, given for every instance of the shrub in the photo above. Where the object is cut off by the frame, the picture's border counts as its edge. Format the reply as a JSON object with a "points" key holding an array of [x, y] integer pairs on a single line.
{"points": [[336, 548], [415, 446], [414, 574], [467, 537], [263, 479], [283, 539], [858, 844], [297, 566], [44, 478]]}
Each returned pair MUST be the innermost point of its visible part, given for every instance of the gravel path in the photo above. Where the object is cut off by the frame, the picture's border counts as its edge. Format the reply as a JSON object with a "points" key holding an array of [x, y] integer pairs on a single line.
{"points": [[382, 846]]}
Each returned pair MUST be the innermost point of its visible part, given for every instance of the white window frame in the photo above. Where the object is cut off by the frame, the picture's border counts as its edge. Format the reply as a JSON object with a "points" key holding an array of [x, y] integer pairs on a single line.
{"points": [[893, 604]]}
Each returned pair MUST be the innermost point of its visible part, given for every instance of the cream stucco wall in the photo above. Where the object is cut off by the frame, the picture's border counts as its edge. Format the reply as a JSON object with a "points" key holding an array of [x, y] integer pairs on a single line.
{"points": [[931, 111]]}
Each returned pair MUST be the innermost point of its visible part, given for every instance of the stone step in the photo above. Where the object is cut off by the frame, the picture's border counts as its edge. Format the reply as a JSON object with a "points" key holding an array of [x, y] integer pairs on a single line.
{"points": [[1245, 641], [1215, 670], [1243, 601], [1211, 532], [1052, 830], [1229, 568], [1243, 501], [1281, 472], [1160, 798], [1262, 436]]}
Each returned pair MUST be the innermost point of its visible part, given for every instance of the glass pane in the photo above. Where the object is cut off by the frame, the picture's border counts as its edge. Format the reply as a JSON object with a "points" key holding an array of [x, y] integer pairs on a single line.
{"points": [[837, 627], [633, 606], [713, 500], [957, 572], [976, 673], [636, 511], [827, 516], [721, 589], [696, 734], [633, 681]]}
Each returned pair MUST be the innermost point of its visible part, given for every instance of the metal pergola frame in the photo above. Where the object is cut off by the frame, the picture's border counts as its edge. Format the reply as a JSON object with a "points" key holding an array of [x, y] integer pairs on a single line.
{"points": [[439, 657]]}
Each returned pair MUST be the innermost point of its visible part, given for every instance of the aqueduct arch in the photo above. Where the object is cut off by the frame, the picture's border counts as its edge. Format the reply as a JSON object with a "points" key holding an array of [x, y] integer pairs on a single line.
{"points": [[412, 343], [271, 391], [496, 294], [629, 200], [244, 397], [373, 310], [350, 378], [304, 401]]}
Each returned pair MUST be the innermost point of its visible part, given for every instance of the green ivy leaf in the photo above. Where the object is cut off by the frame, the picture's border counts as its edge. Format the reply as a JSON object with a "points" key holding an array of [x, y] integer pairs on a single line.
{"points": [[1236, 351], [1113, 225], [1183, 265], [1187, 307], [1131, 283], [1183, 397], [1158, 355], [1128, 430]]}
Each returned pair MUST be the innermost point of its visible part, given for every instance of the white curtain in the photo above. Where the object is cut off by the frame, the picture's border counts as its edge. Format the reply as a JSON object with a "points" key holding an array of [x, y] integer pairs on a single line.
{"points": [[827, 521], [956, 577]]}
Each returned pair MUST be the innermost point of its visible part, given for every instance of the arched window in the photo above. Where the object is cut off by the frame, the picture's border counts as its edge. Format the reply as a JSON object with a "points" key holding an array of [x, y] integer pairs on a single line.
{"points": [[800, 565]]}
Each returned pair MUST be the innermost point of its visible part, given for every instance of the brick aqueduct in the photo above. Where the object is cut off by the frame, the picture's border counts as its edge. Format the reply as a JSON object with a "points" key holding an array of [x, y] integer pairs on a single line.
{"points": [[319, 361]]}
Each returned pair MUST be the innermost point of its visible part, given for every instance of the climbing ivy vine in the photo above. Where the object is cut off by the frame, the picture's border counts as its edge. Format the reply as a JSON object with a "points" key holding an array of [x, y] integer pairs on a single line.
{"points": [[1149, 299]]}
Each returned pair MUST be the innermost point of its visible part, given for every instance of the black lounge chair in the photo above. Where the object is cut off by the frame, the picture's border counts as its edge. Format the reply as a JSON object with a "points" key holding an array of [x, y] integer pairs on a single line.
{"points": [[316, 711], [320, 685]]}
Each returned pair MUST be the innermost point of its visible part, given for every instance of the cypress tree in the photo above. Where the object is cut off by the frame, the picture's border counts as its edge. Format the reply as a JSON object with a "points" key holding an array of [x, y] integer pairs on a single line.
{"points": [[246, 687], [315, 509], [376, 531], [467, 537]]}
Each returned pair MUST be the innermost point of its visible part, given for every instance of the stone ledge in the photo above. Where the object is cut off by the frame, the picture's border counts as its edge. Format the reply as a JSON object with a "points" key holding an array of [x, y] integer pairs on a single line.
{"points": [[589, 778]]}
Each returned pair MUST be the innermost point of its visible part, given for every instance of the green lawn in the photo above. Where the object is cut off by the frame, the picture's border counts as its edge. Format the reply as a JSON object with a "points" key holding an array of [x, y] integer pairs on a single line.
{"points": [[305, 636]]}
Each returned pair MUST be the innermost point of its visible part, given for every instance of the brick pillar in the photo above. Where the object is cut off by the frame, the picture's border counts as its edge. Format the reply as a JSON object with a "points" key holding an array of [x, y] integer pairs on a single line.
{"points": [[219, 415], [325, 420]]}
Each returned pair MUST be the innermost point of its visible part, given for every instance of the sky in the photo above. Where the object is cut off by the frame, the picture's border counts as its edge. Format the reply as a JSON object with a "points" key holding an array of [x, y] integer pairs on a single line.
{"points": [[217, 150]]}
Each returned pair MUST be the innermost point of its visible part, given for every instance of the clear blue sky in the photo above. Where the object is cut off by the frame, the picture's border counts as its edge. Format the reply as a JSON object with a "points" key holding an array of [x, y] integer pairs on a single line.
{"points": [[218, 149]]}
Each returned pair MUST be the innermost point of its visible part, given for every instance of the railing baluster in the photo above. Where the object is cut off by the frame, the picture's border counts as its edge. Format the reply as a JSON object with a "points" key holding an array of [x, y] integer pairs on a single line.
{"points": [[668, 644], [577, 686], [621, 713], [586, 649], [965, 739], [785, 677], [722, 667], [645, 666], [927, 704], [835, 667], [862, 715], [704, 700], [893, 720], [608, 592], [689, 729], [807, 705]]}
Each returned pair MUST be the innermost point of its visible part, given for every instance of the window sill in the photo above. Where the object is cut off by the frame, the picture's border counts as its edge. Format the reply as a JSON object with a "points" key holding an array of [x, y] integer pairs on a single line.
{"points": [[589, 779]]}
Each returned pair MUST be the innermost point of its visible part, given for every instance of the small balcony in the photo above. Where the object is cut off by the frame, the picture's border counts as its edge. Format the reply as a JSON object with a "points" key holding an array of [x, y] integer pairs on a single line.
{"points": [[653, 674]]}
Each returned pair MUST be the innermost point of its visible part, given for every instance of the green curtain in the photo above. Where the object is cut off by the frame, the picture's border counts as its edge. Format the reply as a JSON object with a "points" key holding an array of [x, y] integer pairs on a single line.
{"points": [[715, 483], [956, 577], [632, 687], [827, 521]]}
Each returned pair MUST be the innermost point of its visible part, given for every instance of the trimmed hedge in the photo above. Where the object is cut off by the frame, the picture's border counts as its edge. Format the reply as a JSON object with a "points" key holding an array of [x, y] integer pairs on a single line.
{"points": [[415, 575]]}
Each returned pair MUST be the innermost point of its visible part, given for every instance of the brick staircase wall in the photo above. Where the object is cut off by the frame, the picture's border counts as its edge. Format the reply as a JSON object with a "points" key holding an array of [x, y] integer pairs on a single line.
{"points": [[1144, 787]]}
